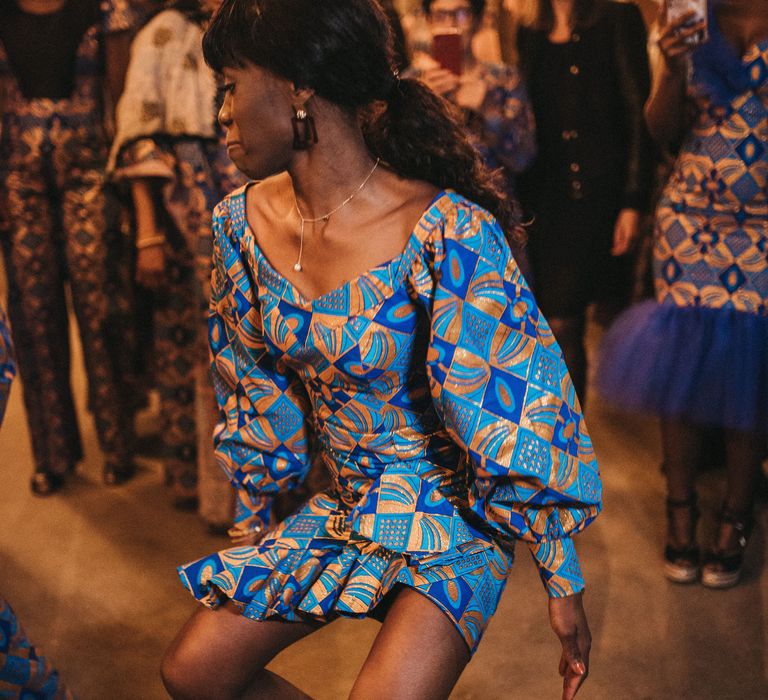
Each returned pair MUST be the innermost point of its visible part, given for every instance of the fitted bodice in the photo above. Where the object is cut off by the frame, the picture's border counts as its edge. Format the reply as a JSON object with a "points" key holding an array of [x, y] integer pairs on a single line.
{"points": [[360, 353], [723, 163], [435, 389]]}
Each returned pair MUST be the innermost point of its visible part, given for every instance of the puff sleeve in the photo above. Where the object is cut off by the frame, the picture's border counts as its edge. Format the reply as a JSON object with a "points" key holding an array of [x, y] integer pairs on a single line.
{"points": [[261, 440], [500, 385]]}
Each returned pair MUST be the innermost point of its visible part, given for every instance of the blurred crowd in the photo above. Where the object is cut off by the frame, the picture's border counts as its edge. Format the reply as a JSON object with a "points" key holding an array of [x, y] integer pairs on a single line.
{"points": [[633, 192]]}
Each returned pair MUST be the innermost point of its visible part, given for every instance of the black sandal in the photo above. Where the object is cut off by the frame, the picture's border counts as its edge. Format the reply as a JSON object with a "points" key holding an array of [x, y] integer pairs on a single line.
{"points": [[46, 483], [681, 564], [722, 568]]}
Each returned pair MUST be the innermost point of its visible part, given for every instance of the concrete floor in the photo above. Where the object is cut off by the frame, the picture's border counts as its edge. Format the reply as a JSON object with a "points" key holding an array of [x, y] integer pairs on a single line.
{"points": [[91, 574]]}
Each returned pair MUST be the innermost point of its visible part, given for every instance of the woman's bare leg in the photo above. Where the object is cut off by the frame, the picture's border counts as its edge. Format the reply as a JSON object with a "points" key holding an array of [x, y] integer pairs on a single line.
{"points": [[681, 445], [219, 654], [418, 654]]}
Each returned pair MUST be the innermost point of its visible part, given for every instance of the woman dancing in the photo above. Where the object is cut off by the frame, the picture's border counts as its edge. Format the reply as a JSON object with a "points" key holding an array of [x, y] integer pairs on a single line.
{"points": [[366, 308]]}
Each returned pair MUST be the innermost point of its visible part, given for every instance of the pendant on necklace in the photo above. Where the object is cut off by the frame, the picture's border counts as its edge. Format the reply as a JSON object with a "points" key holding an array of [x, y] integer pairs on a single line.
{"points": [[297, 267], [326, 218]]}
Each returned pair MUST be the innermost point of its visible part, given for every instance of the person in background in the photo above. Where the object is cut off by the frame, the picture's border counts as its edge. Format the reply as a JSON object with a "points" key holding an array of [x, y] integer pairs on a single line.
{"points": [[24, 671], [697, 355], [169, 148], [57, 226], [491, 97], [586, 68]]}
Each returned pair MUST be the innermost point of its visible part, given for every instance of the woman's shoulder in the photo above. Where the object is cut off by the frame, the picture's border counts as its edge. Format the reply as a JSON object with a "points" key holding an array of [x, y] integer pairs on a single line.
{"points": [[229, 213], [456, 219]]}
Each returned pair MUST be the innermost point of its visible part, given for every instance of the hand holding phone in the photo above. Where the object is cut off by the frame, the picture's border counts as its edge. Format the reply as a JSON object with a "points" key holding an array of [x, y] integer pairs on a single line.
{"points": [[447, 50], [695, 12]]}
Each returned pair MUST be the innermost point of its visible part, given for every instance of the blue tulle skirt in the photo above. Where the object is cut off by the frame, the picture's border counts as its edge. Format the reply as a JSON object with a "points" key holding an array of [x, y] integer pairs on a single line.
{"points": [[703, 365]]}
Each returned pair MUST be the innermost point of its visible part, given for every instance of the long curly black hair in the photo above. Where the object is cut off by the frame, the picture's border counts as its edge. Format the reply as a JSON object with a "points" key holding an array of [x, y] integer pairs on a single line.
{"points": [[343, 50]]}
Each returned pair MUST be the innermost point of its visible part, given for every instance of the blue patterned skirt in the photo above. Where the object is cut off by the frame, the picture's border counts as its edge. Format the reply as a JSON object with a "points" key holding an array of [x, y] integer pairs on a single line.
{"points": [[298, 573]]}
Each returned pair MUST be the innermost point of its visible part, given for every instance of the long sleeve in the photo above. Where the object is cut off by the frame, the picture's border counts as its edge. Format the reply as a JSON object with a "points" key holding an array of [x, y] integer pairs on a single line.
{"points": [[630, 52], [262, 438], [169, 93], [500, 384]]}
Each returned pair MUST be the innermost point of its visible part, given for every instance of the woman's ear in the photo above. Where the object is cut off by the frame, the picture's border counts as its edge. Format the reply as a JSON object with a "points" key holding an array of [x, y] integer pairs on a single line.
{"points": [[301, 96]]}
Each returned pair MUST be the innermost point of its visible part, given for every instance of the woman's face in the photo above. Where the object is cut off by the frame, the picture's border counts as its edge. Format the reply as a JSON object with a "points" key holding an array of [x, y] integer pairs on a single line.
{"points": [[256, 114], [453, 15]]}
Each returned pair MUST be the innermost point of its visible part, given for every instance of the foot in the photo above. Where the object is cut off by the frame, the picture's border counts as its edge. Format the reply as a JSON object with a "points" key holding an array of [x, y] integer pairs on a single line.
{"points": [[46, 483], [723, 565], [681, 554]]}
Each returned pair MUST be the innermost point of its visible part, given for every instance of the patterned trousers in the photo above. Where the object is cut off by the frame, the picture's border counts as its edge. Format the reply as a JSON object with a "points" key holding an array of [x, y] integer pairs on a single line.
{"points": [[55, 229]]}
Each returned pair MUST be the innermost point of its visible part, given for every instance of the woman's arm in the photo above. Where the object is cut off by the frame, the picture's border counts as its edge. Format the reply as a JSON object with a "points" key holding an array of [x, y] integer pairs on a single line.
{"points": [[500, 385], [150, 238], [665, 109]]}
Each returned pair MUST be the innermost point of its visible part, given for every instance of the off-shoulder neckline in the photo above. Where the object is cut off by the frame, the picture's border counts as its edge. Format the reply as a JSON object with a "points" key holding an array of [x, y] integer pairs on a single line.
{"points": [[373, 285]]}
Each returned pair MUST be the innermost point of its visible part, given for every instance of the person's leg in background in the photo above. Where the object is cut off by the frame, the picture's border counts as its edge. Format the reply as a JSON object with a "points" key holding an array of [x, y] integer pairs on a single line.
{"points": [[84, 208], [37, 309]]}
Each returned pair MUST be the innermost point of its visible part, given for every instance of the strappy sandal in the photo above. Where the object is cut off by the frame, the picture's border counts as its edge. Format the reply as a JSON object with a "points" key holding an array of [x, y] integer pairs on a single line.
{"points": [[681, 564], [722, 568]]}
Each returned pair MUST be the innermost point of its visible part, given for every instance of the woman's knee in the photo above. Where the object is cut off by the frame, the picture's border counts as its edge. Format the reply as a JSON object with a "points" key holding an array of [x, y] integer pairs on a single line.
{"points": [[189, 671], [180, 673]]}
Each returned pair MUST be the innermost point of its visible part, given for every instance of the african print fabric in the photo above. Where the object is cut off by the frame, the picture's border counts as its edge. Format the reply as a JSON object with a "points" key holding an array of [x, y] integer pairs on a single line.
{"points": [[189, 158], [438, 400], [7, 366], [712, 222], [700, 351], [24, 671], [59, 224]]}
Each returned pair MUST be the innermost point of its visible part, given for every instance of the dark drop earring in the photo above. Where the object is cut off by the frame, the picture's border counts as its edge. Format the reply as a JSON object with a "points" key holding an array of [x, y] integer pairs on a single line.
{"points": [[304, 132]]}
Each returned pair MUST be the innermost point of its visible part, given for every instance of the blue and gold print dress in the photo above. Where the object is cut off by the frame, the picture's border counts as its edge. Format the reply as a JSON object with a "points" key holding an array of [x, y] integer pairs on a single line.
{"points": [[435, 394]]}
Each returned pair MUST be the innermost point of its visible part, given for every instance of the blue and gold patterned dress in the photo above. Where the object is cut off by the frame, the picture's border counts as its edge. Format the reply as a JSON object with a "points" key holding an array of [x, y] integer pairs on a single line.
{"points": [[24, 671], [700, 351], [437, 398]]}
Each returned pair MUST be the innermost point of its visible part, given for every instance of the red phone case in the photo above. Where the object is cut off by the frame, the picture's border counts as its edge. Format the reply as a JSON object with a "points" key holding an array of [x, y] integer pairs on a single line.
{"points": [[447, 51]]}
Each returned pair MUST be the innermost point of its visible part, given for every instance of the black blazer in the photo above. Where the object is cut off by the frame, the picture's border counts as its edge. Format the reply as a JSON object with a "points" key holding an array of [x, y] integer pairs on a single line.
{"points": [[590, 124]]}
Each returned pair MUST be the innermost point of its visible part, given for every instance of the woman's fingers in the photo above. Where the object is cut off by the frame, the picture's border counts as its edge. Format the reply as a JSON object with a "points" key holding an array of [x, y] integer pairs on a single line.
{"points": [[574, 668]]}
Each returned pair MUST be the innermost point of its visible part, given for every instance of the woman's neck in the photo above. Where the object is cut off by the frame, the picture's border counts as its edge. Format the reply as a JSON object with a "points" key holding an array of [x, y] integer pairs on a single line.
{"points": [[563, 12], [40, 7], [331, 170]]}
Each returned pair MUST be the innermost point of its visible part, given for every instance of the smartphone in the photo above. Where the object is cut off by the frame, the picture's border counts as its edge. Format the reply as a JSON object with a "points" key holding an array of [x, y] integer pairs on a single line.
{"points": [[448, 51], [677, 8]]}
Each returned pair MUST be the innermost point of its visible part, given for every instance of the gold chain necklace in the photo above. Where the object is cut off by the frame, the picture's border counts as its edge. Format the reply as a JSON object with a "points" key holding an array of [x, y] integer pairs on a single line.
{"points": [[327, 216]]}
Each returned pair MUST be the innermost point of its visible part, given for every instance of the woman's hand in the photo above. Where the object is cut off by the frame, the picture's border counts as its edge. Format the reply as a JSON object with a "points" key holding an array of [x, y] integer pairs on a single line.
{"points": [[247, 533], [150, 266], [625, 231], [441, 81], [568, 620], [673, 38], [471, 93]]}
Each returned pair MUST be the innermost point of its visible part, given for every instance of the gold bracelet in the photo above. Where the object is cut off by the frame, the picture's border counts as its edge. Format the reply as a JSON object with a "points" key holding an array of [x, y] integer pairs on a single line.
{"points": [[149, 242]]}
